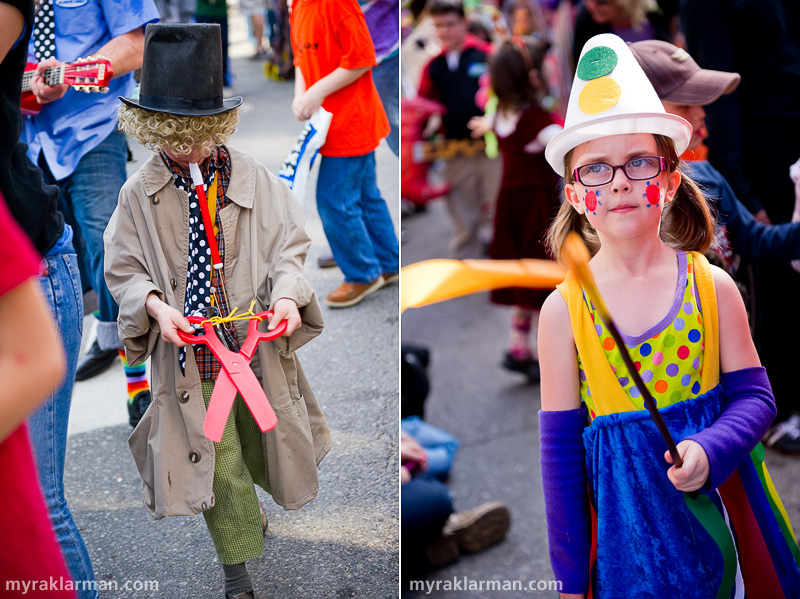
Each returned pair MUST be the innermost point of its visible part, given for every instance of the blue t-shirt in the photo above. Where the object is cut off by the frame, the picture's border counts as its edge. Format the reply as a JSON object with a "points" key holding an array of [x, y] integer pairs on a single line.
{"points": [[67, 129]]}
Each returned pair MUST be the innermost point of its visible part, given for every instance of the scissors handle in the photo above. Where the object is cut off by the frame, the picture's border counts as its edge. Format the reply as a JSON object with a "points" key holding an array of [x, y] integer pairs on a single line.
{"points": [[254, 335], [195, 337]]}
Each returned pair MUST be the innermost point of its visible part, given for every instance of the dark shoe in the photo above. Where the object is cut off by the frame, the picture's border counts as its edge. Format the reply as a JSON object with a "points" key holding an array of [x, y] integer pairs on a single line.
{"points": [[245, 595], [480, 527], [442, 551], [326, 261], [95, 361], [138, 407], [529, 367], [349, 294], [785, 436], [390, 277]]}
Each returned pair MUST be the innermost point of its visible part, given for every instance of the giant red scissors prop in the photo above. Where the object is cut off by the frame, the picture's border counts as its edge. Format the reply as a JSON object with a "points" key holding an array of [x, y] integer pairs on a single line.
{"points": [[235, 375]]}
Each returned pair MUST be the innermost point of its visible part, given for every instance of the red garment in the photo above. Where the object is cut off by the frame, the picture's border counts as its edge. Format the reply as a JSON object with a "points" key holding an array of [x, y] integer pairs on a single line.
{"points": [[18, 260], [527, 202], [327, 34], [28, 548]]}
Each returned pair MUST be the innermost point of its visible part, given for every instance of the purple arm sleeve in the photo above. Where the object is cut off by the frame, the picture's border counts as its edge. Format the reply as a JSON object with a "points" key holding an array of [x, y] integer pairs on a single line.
{"points": [[748, 412], [566, 500]]}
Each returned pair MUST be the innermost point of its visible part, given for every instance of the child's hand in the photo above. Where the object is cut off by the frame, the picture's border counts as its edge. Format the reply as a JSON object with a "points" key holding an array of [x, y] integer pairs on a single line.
{"points": [[694, 472], [169, 320], [285, 309], [479, 126], [305, 105]]}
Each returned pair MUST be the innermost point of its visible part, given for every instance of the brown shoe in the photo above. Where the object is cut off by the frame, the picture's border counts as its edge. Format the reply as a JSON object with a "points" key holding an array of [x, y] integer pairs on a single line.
{"points": [[390, 277], [349, 294], [442, 551], [480, 527]]}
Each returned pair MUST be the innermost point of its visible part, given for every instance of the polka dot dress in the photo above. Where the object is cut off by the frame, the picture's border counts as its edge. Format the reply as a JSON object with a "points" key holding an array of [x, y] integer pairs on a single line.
{"points": [[44, 32], [669, 356]]}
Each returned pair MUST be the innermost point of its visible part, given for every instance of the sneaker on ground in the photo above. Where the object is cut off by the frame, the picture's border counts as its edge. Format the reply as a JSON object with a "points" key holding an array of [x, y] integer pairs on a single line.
{"points": [[480, 527], [138, 407], [785, 436], [442, 551], [529, 367], [390, 277], [349, 294]]}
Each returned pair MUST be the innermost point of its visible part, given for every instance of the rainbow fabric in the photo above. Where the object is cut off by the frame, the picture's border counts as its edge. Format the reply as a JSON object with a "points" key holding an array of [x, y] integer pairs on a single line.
{"points": [[657, 541]]}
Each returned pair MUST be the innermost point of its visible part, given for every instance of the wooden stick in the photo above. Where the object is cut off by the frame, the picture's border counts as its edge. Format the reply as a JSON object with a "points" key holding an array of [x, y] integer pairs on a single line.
{"points": [[577, 258]]}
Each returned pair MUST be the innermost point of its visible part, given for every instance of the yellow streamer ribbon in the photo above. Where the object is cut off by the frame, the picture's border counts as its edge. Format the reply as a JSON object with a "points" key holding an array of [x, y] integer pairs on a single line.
{"points": [[233, 316], [434, 281]]}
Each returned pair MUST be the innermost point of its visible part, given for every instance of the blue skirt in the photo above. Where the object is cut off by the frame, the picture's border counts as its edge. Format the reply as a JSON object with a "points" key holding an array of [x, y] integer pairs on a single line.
{"points": [[651, 544]]}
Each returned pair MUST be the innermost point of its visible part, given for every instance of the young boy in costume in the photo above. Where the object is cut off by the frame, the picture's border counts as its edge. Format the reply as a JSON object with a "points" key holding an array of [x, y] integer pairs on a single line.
{"points": [[158, 266], [713, 526], [333, 55]]}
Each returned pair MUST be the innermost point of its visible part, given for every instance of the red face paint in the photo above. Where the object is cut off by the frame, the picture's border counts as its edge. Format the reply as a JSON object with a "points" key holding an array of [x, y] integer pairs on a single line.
{"points": [[591, 201], [653, 194]]}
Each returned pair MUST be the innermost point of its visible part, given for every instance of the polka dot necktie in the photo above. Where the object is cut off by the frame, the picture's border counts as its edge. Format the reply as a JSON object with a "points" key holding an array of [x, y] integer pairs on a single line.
{"points": [[44, 32]]}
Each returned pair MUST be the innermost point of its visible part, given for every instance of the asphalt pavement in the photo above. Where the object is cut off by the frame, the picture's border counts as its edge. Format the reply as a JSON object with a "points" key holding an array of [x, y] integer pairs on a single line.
{"points": [[345, 542], [493, 413]]}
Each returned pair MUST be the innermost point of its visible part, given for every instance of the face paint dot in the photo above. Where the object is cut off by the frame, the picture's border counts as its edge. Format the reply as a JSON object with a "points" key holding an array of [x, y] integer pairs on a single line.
{"points": [[591, 201], [653, 194]]}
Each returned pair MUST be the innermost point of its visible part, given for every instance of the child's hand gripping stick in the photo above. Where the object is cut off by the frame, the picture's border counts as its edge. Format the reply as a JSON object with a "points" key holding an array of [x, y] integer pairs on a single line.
{"points": [[234, 376], [576, 257]]}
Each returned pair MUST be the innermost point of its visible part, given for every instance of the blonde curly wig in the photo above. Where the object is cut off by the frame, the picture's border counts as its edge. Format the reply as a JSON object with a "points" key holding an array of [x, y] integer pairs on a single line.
{"points": [[178, 134]]}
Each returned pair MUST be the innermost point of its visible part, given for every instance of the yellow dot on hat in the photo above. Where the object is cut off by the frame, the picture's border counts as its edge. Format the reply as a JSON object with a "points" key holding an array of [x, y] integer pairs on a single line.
{"points": [[599, 95], [597, 62]]}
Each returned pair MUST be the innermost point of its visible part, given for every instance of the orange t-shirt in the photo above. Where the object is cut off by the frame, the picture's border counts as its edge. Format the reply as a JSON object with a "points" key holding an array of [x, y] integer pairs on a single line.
{"points": [[327, 34]]}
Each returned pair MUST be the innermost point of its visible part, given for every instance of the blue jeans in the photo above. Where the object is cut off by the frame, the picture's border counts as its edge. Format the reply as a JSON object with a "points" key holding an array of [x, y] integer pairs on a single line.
{"points": [[425, 506], [48, 425], [386, 77], [356, 219], [440, 446], [87, 199]]}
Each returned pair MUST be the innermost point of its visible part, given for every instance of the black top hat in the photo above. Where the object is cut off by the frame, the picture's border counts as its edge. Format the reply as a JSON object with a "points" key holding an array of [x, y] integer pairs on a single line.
{"points": [[182, 70]]}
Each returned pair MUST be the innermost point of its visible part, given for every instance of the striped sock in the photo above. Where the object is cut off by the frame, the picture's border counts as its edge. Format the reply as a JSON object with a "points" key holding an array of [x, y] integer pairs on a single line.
{"points": [[136, 376]]}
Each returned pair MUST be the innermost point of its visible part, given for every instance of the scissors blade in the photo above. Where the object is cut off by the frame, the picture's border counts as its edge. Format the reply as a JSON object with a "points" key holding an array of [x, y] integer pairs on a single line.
{"points": [[238, 368], [219, 407]]}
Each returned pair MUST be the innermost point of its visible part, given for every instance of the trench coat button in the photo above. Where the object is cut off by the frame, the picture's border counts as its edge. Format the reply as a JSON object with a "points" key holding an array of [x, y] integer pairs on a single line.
{"points": [[194, 457], [173, 283], [203, 506], [183, 397], [156, 201]]}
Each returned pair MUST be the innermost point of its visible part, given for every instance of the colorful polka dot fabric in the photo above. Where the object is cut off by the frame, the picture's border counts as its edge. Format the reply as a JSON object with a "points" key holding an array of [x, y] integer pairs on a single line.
{"points": [[669, 356]]}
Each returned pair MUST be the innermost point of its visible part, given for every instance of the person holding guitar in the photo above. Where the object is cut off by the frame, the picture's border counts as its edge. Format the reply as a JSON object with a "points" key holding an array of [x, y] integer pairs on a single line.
{"points": [[75, 141], [35, 207]]}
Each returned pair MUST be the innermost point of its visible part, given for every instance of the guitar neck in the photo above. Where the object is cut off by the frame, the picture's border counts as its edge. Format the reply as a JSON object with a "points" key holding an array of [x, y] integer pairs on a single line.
{"points": [[52, 76]]}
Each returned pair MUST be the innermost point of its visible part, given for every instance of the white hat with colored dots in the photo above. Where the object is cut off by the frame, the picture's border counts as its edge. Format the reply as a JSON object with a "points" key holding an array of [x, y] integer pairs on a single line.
{"points": [[611, 95]]}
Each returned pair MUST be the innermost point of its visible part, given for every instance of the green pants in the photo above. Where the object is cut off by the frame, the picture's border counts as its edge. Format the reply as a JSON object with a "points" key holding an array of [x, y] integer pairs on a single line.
{"points": [[234, 522]]}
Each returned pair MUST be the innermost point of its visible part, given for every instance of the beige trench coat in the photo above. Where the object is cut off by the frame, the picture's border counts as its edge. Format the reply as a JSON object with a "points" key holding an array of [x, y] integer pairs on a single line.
{"points": [[146, 250]]}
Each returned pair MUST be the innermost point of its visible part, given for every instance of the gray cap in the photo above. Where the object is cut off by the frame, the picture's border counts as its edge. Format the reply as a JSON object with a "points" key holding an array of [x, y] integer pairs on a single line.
{"points": [[677, 78]]}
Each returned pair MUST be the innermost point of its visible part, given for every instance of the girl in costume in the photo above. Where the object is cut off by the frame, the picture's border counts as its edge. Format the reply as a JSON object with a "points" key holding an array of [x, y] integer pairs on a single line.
{"points": [[712, 528], [158, 267], [528, 198]]}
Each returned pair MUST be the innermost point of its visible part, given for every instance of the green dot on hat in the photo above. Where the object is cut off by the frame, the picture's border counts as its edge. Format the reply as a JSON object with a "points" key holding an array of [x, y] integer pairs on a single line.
{"points": [[597, 62]]}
